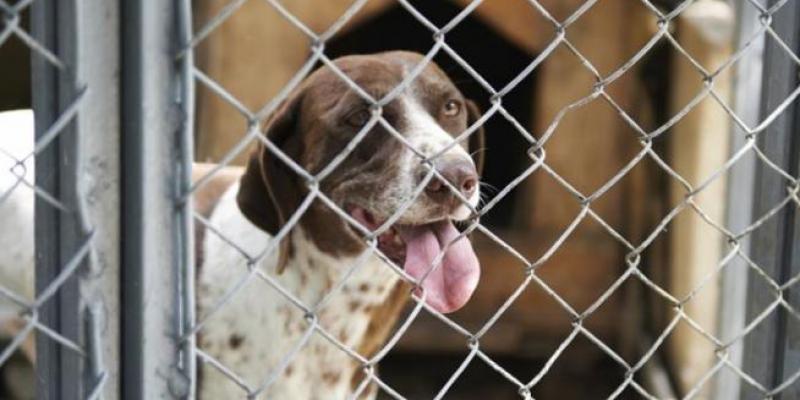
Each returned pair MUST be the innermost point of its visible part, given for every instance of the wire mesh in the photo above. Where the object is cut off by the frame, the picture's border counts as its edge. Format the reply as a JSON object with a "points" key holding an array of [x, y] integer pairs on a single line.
{"points": [[537, 152], [23, 304]]}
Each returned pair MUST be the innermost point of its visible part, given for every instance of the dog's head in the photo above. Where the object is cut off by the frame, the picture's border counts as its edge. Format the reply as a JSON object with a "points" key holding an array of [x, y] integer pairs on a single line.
{"points": [[381, 174]]}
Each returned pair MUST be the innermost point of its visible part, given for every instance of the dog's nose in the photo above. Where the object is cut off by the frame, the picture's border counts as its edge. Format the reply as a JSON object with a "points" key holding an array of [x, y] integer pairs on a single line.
{"points": [[460, 173]]}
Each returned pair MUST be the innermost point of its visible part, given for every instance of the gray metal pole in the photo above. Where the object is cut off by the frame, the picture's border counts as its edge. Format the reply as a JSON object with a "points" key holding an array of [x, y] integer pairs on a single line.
{"points": [[155, 225], [769, 355], [740, 198], [77, 163]]}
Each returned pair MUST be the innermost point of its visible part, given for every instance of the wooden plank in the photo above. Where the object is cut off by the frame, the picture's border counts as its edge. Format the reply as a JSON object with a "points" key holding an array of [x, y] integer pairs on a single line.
{"points": [[253, 55], [588, 145], [698, 146]]}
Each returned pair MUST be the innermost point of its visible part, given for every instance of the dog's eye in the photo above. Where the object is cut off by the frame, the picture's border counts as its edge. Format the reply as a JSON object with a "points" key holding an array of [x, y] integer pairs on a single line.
{"points": [[452, 108], [358, 118]]}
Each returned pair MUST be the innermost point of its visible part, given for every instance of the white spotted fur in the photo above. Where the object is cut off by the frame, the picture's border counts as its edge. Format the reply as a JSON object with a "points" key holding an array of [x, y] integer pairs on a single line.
{"points": [[17, 264], [269, 324], [428, 138], [16, 211]]}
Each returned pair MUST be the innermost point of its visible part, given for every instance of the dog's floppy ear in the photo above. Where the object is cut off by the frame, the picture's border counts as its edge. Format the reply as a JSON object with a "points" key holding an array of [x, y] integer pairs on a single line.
{"points": [[476, 139], [270, 191]]}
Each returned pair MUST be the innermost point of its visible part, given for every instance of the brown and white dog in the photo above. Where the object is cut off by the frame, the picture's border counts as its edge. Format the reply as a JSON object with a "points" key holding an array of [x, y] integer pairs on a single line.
{"points": [[257, 328]]}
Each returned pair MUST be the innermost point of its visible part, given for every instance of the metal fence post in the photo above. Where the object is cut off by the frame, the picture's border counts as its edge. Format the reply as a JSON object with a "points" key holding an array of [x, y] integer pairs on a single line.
{"points": [[76, 105], [739, 212], [769, 355], [157, 248]]}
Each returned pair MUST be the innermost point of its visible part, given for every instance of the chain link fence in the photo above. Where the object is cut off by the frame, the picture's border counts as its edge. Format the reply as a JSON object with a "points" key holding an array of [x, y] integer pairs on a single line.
{"points": [[98, 292], [665, 18]]}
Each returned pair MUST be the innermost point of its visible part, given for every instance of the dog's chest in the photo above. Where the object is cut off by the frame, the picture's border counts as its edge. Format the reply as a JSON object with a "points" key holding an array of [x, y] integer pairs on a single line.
{"points": [[274, 339]]}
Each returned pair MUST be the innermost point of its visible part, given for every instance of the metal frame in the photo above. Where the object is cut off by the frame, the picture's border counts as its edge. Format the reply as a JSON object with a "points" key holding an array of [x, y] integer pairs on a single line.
{"points": [[768, 354], [157, 251], [740, 197], [48, 98], [83, 175]]}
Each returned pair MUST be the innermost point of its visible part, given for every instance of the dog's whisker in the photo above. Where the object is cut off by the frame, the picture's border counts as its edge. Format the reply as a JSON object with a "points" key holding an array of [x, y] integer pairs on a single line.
{"points": [[486, 187], [478, 150]]}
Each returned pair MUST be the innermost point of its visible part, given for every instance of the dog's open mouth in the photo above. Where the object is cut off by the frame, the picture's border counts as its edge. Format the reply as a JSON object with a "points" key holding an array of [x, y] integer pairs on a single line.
{"points": [[418, 247]]}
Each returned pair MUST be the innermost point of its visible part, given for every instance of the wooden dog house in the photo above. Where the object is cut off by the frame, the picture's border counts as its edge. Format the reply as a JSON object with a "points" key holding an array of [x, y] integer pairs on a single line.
{"points": [[255, 53]]}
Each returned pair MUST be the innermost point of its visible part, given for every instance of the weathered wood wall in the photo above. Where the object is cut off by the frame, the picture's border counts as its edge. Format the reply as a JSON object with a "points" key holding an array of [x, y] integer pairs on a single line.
{"points": [[698, 146]]}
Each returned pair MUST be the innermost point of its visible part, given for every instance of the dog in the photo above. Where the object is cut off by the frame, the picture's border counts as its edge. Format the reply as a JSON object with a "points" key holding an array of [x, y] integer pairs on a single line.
{"points": [[283, 317], [17, 244], [259, 326]]}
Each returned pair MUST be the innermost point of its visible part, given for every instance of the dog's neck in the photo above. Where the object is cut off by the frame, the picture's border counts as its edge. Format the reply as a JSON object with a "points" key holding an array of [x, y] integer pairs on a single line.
{"points": [[359, 313], [308, 262], [341, 289]]}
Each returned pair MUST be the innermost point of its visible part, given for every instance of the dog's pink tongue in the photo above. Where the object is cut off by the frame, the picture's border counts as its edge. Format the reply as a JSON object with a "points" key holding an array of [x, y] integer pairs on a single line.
{"points": [[451, 284]]}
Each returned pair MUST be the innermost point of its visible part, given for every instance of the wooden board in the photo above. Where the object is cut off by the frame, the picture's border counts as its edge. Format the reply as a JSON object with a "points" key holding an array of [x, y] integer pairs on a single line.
{"points": [[588, 146], [698, 147]]}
